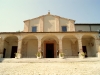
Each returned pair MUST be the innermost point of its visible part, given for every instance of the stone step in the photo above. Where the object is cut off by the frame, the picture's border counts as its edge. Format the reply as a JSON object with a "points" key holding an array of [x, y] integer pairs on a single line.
{"points": [[47, 60]]}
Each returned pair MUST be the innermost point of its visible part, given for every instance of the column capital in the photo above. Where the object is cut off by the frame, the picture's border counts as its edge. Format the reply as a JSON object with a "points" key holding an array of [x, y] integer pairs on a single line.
{"points": [[19, 40], [79, 36], [60, 38]]}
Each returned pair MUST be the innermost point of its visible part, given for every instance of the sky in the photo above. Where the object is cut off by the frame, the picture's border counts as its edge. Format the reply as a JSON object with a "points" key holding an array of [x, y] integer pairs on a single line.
{"points": [[14, 12]]}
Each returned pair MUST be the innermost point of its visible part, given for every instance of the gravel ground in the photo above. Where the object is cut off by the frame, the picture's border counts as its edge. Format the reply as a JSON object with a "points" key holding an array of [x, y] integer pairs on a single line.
{"points": [[68, 68]]}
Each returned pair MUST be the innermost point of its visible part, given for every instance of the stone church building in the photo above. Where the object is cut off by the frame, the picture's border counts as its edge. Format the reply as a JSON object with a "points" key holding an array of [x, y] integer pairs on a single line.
{"points": [[51, 35]]}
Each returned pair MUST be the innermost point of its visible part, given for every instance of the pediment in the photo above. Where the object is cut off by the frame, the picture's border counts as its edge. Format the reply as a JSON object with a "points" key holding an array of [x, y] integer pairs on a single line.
{"points": [[51, 16]]}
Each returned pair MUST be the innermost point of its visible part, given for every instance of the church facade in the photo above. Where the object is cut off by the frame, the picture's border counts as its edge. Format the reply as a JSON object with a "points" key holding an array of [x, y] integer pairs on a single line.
{"points": [[51, 35]]}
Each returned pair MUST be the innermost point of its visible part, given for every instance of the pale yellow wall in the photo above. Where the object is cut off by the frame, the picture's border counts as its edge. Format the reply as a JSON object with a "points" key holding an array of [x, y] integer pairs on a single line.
{"points": [[72, 25], [63, 22], [24, 50], [74, 48], [82, 27], [34, 22], [49, 24], [26, 26], [32, 48], [67, 47]]}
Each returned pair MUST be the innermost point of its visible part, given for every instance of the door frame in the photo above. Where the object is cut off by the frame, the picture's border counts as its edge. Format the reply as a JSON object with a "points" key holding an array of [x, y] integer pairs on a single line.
{"points": [[85, 50], [12, 50], [55, 48], [50, 50]]}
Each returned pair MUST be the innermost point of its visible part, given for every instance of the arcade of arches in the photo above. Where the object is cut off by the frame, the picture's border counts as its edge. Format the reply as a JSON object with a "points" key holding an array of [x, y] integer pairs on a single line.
{"points": [[49, 44]]}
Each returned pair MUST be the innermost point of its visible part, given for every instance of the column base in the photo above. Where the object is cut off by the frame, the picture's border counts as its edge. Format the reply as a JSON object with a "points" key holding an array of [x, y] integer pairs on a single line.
{"points": [[82, 55], [17, 55], [98, 54], [61, 55], [1, 55], [39, 55]]}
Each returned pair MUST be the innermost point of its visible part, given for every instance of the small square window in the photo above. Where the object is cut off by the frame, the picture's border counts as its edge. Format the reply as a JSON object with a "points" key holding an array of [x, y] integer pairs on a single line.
{"points": [[34, 29], [64, 28]]}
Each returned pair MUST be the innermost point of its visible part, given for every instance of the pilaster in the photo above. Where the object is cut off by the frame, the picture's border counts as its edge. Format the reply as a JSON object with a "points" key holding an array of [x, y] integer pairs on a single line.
{"points": [[41, 24], [39, 45], [57, 24]]}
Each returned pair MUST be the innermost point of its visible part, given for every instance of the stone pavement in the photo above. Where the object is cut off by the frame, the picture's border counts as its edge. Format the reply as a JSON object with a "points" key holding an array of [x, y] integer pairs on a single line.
{"points": [[49, 68]]}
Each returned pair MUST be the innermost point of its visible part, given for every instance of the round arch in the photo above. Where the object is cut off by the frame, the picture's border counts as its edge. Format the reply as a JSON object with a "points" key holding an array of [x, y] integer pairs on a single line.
{"points": [[10, 46], [88, 45], [29, 46], [70, 46], [27, 36], [49, 46], [11, 36], [50, 38]]}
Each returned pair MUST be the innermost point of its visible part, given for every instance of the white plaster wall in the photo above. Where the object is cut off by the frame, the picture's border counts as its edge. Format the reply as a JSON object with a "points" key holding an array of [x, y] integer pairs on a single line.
{"points": [[67, 47], [49, 24], [95, 27], [32, 48], [82, 27], [93, 48]]}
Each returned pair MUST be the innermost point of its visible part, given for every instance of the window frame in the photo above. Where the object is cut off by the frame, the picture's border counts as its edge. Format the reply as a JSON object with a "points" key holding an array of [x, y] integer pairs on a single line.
{"points": [[34, 30], [64, 30]]}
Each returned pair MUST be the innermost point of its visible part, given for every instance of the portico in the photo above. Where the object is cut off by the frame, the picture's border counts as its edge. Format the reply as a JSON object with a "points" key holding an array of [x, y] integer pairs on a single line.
{"points": [[68, 43]]}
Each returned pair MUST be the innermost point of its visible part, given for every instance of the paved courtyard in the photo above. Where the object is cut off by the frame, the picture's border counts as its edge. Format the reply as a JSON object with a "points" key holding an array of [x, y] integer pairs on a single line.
{"points": [[67, 68]]}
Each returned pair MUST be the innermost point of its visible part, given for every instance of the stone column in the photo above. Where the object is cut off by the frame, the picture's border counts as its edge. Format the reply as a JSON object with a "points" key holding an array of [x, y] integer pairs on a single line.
{"points": [[39, 53], [1, 47], [60, 45], [81, 53], [39, 45], [19, 46], [18, 54], [80, 45]]}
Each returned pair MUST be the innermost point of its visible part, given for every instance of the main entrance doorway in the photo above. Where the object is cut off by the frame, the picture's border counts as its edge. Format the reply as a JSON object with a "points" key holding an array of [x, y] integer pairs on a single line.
{"points": [[49, 50]]}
